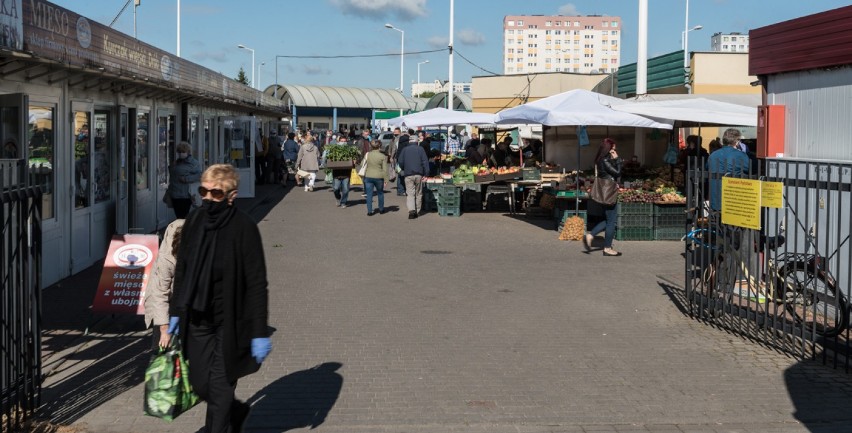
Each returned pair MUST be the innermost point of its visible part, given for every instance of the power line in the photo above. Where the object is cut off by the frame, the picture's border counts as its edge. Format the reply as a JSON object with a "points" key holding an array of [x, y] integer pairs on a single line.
{"points": [[456, 51], [361, 55]]}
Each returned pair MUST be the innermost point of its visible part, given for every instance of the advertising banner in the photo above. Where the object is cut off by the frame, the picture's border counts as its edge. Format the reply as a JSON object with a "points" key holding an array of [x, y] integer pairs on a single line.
{"points": [[127, 270]]}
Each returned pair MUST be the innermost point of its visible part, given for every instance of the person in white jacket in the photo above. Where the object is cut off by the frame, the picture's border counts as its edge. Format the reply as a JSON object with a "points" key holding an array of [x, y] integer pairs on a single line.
{"points": [[158, 292]]}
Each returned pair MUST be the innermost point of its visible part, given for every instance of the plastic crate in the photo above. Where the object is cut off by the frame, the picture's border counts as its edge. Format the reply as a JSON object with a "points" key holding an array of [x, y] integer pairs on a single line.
{"points": [[449, 211], [483, 178], [634, 234], [635, 220], [449, 191], [434, 186], [670, 221], [669, 209], [430, 205], [531, 173], [635, 208], [669, 233], [449, 201]]}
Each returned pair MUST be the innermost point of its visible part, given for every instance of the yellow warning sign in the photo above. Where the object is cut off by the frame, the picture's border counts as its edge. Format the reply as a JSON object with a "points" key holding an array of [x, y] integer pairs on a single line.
{"points": [[741, 202], [772, 194]]}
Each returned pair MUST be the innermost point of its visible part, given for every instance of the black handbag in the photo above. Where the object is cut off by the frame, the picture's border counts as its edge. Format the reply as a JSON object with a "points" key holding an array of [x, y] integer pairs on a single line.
{"points": [[604, 190]]}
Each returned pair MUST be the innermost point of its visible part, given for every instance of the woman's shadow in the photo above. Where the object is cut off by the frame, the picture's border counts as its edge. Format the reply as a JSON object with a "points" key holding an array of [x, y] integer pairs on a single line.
{"points": [[300, 399]]}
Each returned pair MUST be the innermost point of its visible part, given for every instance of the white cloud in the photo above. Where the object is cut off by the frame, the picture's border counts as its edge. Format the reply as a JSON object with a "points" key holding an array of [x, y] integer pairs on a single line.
{"points": [[405, 10], [568, 9], [470, 37], [438, 41]]}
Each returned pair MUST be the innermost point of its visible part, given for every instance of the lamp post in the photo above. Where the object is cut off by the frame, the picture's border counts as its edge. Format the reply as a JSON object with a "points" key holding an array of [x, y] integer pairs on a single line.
{"points": [[252, 61], [401, 56], [684, 38], [257, 86], [178, 28], [418, 69]]}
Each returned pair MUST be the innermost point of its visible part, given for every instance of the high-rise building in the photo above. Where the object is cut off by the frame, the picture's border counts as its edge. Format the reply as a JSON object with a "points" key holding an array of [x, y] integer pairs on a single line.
{"points": [[582, 44], [729, 42]]}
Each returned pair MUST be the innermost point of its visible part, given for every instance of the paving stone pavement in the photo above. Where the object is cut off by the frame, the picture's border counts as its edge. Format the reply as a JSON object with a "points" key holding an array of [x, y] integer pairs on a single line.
{"points": [[481, 323]]}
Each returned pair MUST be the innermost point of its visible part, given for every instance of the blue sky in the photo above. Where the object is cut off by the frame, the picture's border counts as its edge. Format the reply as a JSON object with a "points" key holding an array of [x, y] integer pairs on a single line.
{"points": [[212, 29]]}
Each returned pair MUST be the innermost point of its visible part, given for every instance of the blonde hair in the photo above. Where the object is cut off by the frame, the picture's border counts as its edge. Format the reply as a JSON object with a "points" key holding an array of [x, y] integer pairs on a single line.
{"points": [[224, 174]]}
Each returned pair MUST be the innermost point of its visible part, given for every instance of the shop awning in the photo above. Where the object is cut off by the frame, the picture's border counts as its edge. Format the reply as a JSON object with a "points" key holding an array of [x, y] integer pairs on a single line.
{"points": [[693, 111], [577, 107], [442, 117]]}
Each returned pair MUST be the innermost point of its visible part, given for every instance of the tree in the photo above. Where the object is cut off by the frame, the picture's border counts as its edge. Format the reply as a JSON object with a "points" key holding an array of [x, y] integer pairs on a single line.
{"points": [[426, 94], [242, 78]]}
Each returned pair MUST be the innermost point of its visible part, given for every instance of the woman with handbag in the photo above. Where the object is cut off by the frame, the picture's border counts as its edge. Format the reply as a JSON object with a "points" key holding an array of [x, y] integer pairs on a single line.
{"points": [[307, 162], [605, 193]]}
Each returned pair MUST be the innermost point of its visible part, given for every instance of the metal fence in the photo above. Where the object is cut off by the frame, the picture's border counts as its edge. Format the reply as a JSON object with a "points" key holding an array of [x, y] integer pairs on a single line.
{"points": [[786, 282], [20, 300]]}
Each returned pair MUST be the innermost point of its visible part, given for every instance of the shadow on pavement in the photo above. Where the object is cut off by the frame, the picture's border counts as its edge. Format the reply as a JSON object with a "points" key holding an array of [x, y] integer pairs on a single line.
{"points": [[266, 198], [814, 391], [300, 399]]}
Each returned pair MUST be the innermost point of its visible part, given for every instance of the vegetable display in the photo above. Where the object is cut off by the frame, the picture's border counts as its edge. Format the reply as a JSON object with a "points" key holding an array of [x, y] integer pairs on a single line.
{"points": [[342, 152]]}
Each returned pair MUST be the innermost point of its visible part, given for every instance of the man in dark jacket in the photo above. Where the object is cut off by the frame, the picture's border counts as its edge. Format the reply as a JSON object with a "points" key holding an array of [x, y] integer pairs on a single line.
{"points": [[414, 164], [290, 153], [401, 143]]}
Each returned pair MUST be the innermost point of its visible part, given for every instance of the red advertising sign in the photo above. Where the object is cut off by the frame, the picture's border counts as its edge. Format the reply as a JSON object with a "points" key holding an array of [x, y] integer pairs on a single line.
{"points": [[127, 269]]}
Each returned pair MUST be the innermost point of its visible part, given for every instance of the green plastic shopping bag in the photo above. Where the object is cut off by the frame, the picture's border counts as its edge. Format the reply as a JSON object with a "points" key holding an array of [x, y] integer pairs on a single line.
{"points": [[167, 389]]}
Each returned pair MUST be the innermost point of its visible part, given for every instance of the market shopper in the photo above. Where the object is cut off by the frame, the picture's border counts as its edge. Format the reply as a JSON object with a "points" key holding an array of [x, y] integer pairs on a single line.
{"points": [[340, 184], [414, 164], [220, 300], [308, 161], [404, 140], [290, 153], [161, 285], [727, 161], [375, 176], [185, 171], [608, 166]]}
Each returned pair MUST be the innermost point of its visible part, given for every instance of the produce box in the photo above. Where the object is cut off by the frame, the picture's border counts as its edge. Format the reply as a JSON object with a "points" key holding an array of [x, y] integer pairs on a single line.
{"points": [[531, 173], [572, 194], [670, 221], [559, 178], [449, 191], [449, 201], [449, 211], [340, 164], [635, 208], [670, 209], [634, 234], [635, 220], [507, 176], [466, 178], [484, 178], [669, 233]]}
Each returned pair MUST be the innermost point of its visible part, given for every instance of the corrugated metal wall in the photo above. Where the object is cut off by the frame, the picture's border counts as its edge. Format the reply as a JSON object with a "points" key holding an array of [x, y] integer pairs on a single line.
{"points": [[818, 113]]}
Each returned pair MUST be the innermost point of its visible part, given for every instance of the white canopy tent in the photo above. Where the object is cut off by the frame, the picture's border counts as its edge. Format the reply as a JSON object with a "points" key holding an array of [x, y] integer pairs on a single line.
{"points": [[441, 117], [577, 107], [693, 111]]}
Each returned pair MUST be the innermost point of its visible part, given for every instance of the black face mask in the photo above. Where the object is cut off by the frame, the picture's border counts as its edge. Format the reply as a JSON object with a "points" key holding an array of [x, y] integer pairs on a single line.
{"points": [[214, 207]]}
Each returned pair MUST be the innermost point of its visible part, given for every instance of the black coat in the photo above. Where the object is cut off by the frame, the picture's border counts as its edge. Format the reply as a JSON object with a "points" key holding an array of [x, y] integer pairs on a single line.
{"points": [[245, 297], [610, 168]]}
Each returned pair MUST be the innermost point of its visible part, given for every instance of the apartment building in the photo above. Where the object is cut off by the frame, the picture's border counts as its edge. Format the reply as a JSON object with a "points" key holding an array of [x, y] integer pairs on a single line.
{"points": [[580, 44], [729, 42], [438, 86]]}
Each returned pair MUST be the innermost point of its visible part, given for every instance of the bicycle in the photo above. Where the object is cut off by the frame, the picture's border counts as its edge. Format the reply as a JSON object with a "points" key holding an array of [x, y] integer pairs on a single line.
{"points": [[798, 281]]}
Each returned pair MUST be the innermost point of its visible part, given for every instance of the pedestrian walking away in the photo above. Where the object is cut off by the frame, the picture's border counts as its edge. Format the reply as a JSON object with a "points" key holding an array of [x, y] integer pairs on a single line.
{"points": [[290, 153], [375, 176], [307, 162], [414, 164], [219, 307]]}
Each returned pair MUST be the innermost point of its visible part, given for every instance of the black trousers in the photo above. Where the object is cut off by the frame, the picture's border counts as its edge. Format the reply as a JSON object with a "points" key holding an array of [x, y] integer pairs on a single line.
{"points": [[225, 414]]}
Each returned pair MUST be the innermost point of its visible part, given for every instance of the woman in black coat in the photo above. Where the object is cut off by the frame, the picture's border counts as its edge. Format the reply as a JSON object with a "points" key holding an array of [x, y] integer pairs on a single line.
{"points": [[220, 299], [608, 165]]}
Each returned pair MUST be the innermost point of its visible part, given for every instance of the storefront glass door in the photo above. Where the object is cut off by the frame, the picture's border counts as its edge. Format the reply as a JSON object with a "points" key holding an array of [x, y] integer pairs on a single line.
{"points": [[238, 136], [165, 158]]}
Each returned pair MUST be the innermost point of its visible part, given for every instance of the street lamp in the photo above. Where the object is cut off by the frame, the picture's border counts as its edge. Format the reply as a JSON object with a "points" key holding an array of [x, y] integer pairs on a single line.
{"points": [[252, 61], [418, 69], [257, 86], [684, 41], [401, 57]]}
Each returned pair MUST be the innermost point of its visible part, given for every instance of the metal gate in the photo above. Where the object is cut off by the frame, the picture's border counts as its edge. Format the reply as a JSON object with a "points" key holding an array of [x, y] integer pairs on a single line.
{"points": [[785, 282], [20, 301]]}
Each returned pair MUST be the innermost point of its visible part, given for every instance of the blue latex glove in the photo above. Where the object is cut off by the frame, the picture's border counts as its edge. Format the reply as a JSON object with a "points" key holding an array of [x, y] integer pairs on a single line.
{"points": [[260, 347], [173, 325]]}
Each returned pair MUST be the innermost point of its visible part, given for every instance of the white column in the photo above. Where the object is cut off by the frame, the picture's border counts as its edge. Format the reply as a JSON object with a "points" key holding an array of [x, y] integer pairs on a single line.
{"points": [[450, 91], [642, 55]]}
